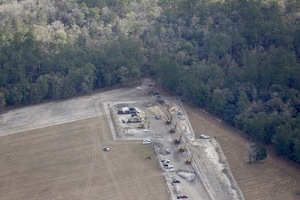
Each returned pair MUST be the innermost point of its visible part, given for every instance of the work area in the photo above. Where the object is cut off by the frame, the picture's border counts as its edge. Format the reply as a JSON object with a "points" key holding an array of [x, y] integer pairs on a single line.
{"points": [[160, 121]]}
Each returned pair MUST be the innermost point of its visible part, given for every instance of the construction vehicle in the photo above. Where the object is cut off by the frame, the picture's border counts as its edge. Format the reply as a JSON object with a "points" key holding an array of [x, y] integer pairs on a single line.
{"points": [[168, 120], [135, 119], [189, 160], [143, 125], [174, 180], [181, 148], [177, 140], [106, 149], [173, 129], [204, 136]]}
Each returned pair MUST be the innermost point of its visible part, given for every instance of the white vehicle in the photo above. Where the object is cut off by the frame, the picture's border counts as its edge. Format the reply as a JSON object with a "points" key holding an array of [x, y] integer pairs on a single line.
{"points": [[165, 160], [137, 110], [168, 151], [145, 142], [168, 166], [106, 149], [204, 136], [138, 88]]}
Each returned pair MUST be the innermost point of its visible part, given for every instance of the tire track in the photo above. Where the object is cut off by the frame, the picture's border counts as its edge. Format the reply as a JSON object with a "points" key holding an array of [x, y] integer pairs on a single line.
{"points": [[91, 172], [104, 138], [15, 182]]}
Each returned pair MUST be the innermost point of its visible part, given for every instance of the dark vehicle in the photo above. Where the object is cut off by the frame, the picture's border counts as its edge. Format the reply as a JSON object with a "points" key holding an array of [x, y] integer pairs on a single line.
{"points": [[123, 111], [181, 196], [151, 84], [175, 180], [134, 114], [106, 149]]}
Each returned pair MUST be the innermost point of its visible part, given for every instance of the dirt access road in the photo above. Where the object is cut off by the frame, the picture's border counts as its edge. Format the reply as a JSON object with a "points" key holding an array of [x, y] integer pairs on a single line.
{"points": [[273, 179]]}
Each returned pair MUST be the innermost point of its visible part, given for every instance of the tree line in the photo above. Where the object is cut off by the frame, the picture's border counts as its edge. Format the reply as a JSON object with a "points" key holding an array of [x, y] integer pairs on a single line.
{"points": [[238, 59]]}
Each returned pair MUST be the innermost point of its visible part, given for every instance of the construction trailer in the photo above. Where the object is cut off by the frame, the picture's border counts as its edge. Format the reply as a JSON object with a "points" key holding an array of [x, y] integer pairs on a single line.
{"points": [[129, 110], [124, 110]]}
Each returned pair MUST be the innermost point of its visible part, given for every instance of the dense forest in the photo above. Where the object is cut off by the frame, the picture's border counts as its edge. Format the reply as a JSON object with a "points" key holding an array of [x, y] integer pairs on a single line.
{"points": [[238, 59]]}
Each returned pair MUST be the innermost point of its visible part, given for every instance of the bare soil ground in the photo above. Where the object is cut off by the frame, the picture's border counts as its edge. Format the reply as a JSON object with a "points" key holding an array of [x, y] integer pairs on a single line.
{"points": [[273, 179]]}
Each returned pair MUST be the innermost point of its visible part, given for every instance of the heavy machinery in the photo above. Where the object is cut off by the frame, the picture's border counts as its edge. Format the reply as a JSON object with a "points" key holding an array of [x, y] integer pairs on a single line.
{"points": [[189, 160], [181, 148], [173, 129], [135, 119], [143, 124], [168, 120], [177, 140]]}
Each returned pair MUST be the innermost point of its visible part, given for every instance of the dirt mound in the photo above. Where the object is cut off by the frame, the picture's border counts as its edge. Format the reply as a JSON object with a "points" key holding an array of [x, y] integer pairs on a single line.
{"points": [[190, 176]]}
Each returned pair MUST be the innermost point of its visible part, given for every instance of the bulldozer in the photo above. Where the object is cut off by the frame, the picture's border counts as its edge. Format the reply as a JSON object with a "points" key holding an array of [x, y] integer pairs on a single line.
{"points": [[177, 140], [189, 160], [181, 148], [173, 129]]}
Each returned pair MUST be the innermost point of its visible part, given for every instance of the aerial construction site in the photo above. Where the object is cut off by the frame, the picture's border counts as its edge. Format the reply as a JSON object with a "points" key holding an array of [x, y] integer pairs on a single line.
{"points": [[131, 143], [192, 167]]}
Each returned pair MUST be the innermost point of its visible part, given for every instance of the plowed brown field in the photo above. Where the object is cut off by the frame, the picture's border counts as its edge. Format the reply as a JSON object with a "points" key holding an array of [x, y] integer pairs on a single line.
{"points": [[67, 162]]}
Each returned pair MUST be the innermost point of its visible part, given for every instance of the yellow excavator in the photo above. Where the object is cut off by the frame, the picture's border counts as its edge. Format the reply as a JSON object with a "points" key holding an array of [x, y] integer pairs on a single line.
{"points": [[189, 160], [181, 148], [177, 140], [173, 129], [168, 120], [143, 125]]}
